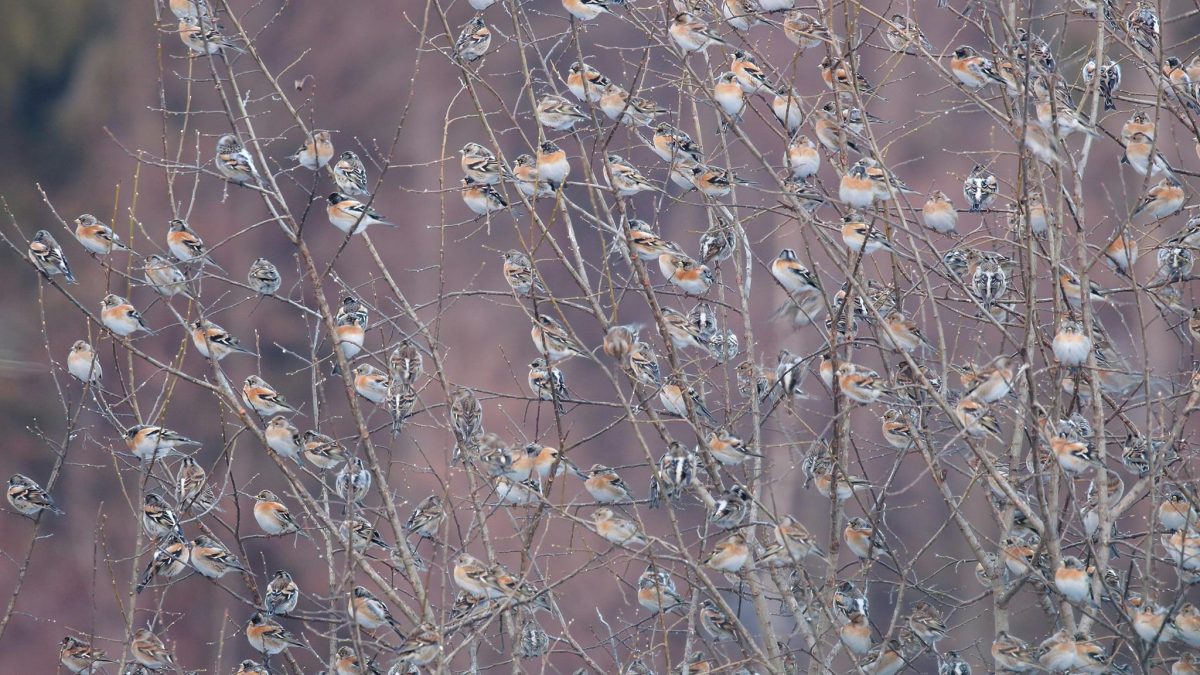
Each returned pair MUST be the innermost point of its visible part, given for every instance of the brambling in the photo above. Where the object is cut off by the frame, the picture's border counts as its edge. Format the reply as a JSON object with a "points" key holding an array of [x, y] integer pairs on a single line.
{"points": [[841, 488], [525, 177], [801, 157], [1188, 663], [1043, 146], [975, 419], [718, 242], [150, 651], [885, 183], [348, 663], [890, 658], [269, 637], [420, 648], [353, 481], [805, 31], [544, 461], [1162, 200], [1012, 654], [473, 41], [316, 151], [1074, 455], [151, 443], [48, 257], [352, 216], [405, 363], [427, 517], [716, 624], [1187, 624], [1138, 155], [557, 113], [1149, 619], [630, 110], [350, 175], [369, 611], [731, 509], [164, 277], [97, 237], [282, 594], [212, 559], [741, 14], [1144, 27], [795, 540], [901, 333], [980, 188], [78, 656], [469, 573], [953, 664], [193, 494], [861, 237], [643, 364], [786, 108], [727, 449], [586, 83], [1174, 264], [675, 145], [1121, 253], [466, 415], [1058, 652], [656, 591], [904, 35], [618, 530], [855, 634], [481, 198], [897, 430], [692, 33], [1138, 123], [1074, 580], [925, 621], [990, 383], [83, 364], [515, 492], [606, 486], [749, 75], [185, 244], [802, 197], [863, 540], [234, 161], [727, 93], [322, 451], [272, 516], [351, 327], [203, 39], [480, 164], [646, 244], [1071, 345], [548, 383], [843, 76], [191, 8], [1108, 79], [371, 383], [939, 214], [857, 188], [1174, 513], [625, 177], [690, 276], [1072, 288], [157, 519], [551, 338], [675, 396], [675, 472], [214, 342], [552, 164], [860, 384], [586, 10], [284, 438], [361, 535], [973, 69], [1063, 119], [28, 498], [263, 277], [260, 396], [170, 559]]}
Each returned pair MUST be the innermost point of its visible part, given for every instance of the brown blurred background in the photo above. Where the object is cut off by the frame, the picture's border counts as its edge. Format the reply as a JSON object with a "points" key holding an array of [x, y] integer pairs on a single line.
{"points": [[79, 84]]}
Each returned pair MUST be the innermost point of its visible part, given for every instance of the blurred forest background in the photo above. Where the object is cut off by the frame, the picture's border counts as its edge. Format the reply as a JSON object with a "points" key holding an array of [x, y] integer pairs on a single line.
{"points": [[80, 91]]}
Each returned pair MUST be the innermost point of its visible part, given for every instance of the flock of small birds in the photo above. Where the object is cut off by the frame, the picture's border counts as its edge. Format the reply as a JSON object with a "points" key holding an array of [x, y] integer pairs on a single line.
{"points": [[1100, 602]]}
